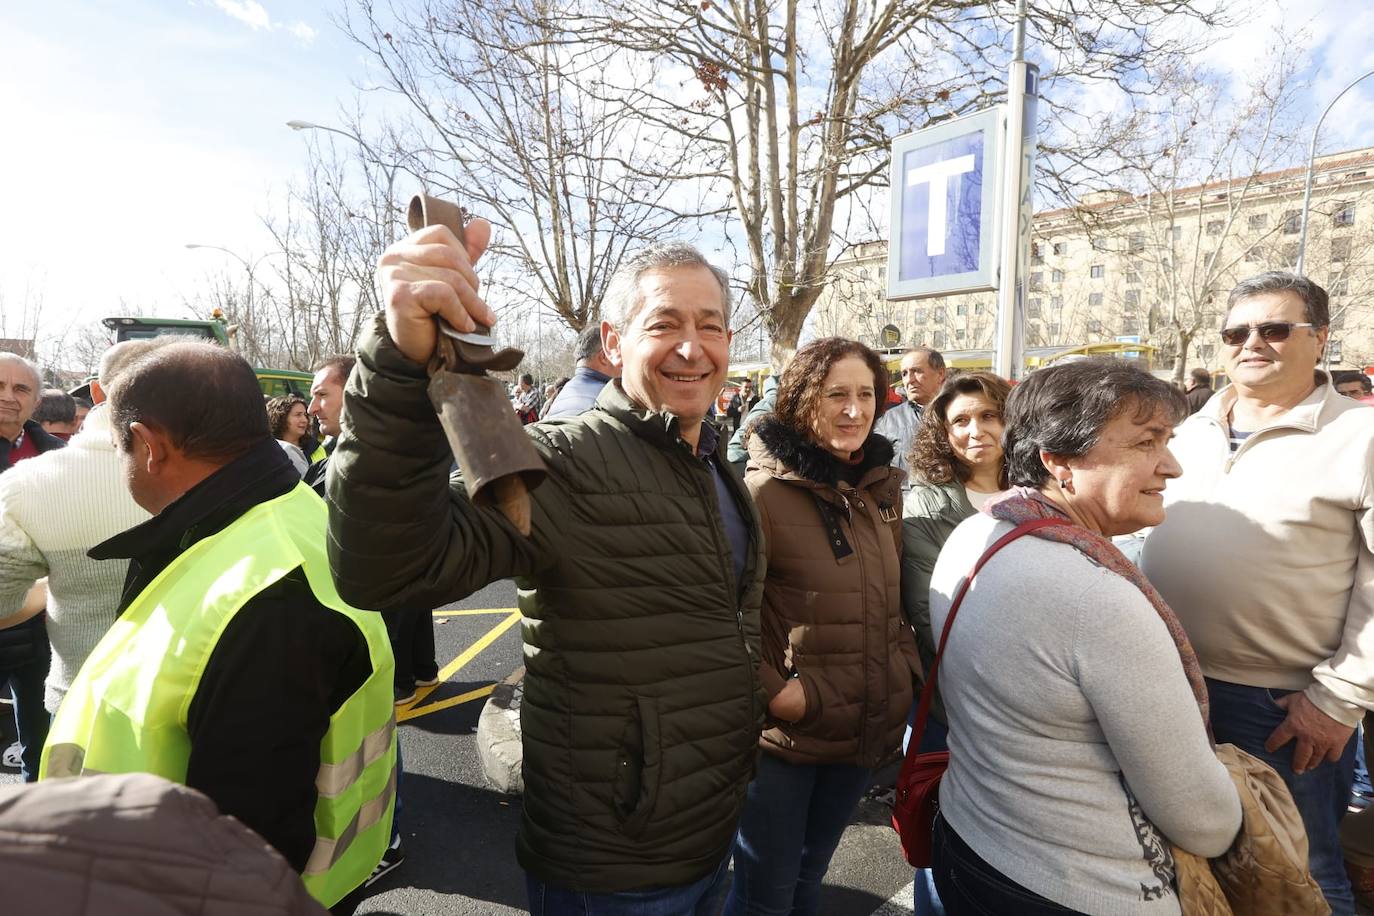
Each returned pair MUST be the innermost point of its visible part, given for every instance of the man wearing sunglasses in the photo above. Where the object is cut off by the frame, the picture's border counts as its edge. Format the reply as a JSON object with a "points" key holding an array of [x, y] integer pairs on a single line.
{"points": [[1266, 556]]}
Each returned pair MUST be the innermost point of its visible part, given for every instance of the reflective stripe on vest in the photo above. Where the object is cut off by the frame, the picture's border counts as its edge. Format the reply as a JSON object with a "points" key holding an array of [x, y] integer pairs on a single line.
{"points": [[127, 708]]}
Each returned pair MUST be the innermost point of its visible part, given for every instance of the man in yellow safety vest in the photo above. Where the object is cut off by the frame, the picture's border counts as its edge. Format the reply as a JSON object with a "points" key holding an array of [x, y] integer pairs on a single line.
{"points": [[234, 667]]}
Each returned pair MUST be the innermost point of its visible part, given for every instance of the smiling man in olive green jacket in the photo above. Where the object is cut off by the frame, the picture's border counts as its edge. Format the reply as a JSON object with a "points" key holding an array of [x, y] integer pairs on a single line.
{"points": [[641, 579]]}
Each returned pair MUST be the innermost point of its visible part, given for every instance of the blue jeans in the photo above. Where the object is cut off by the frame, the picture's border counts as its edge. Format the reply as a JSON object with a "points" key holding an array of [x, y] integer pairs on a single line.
{"points": [[700, 898], [793, 819], [1246, 717], [26, 679], [971, 887]]}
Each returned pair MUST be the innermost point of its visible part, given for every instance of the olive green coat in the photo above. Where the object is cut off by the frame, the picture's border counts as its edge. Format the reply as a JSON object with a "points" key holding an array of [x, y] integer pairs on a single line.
{"points": [[642, 710]]}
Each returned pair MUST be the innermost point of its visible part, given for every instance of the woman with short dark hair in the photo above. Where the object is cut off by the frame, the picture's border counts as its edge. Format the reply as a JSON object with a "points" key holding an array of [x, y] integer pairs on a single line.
{"points": [[290, 424], [837, 659], [1077, 736]]}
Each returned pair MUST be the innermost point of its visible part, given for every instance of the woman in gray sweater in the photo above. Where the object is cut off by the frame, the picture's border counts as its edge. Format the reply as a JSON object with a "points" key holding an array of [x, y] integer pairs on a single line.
{"points": [[1078, 750]]}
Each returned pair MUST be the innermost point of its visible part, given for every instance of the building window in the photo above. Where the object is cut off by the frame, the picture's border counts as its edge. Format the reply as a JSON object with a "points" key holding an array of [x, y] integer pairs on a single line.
{"points": [[1345, 214], [1175, 233], [1132, 298], [1135, 241], [1254, 255], [1094, 298], [1094, 327], [1097, 271], [1340, 250], [919, 316], [1061, 248], [961, 308], [1033, 307], [1132, 276], [1292, 222], [1056, 276], [1207, 351], [1053, 329], [1130, 324], [938, 340], [1290, 253], [1099, 244], [1036, 256], [1257, 221], [1339, 287], [960, 334], [1214, 226], [977, 308], [1056, 303], [1037, 280]]}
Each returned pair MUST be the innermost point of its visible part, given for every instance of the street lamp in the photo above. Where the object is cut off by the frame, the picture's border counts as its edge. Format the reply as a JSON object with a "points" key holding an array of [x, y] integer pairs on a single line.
{"points": [[389, 168], [249, 268], [1311, 160]]}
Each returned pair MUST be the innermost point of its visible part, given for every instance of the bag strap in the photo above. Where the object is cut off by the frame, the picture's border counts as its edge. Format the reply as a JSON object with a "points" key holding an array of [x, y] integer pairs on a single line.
{"points": [[928, 691]]}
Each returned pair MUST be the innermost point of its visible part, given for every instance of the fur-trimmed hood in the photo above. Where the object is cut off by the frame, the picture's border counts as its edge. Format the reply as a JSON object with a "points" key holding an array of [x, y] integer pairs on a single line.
{"points": [[785, 453]]}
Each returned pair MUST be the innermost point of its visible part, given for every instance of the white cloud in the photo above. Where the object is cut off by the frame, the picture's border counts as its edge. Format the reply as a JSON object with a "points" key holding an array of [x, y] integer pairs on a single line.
{"points": [[249, 12], [302, 31]]}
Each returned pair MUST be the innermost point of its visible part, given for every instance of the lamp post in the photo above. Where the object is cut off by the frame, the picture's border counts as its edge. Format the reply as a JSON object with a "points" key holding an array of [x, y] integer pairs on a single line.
{"points": [[1311, 160], [249, 268], [389, 168]]}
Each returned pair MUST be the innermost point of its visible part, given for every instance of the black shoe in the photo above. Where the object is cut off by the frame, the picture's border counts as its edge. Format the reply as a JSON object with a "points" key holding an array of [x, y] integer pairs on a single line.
{"points": [[394, 855], [404, 696]]}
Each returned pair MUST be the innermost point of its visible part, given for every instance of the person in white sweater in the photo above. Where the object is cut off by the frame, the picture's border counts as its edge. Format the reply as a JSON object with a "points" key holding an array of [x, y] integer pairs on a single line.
{"points": [[1078, 750], [54, 508], [1267, 556]]}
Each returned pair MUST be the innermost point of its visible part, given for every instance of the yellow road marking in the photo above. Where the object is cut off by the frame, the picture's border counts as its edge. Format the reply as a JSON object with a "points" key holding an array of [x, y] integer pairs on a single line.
{"points": [[412, 710], [485, 610]]}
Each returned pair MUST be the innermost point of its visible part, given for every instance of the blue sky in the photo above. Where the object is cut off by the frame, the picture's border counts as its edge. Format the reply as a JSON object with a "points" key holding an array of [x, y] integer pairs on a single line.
{"points": [[135, 127]]}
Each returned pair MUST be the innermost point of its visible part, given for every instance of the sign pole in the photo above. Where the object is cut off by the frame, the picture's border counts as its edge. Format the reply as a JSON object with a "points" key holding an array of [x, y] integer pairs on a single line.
{"points": [[1016, 211]]}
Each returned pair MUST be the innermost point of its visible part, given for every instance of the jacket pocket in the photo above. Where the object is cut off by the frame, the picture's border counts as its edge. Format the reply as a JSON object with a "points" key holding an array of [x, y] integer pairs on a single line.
{"points": [[638, 768]]}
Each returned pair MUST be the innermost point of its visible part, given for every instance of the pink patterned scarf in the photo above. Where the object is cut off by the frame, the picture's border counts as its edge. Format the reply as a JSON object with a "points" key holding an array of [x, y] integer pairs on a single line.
{"points": [[1022, 504]]}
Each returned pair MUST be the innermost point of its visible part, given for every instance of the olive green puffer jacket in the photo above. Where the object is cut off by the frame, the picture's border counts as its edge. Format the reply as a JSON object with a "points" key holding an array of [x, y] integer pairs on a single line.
{"points": [[642, 709]]}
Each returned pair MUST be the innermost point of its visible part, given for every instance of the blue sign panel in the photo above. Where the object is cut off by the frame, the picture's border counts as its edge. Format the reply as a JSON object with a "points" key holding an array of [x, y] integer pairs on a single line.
{"points": [[944, 184]]}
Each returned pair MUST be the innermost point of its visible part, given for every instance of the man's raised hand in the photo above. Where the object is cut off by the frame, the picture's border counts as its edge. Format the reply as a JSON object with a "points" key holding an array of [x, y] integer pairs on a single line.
{"points": [[429, 273]]}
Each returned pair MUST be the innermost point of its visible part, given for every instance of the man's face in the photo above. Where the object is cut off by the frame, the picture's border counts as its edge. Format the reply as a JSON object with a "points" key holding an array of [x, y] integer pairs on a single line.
{"points": [[675, 352], [1351, 389], [922, 382], [18, 397], [747, 389], [326, 400], [1258, 365]]}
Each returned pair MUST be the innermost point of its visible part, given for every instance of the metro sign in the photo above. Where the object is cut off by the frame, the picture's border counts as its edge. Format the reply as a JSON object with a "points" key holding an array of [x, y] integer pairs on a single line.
{"points": [[944, 208]]}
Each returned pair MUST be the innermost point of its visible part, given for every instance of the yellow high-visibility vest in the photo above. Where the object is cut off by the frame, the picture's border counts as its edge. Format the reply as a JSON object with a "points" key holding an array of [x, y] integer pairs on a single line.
{"points": [[319, 454], [127, 709]]}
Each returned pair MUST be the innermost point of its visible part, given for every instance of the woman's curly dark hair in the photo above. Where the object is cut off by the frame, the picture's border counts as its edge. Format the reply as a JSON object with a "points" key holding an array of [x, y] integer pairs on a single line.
{"points": [[932, 458], [799, 389], [278, 409]]}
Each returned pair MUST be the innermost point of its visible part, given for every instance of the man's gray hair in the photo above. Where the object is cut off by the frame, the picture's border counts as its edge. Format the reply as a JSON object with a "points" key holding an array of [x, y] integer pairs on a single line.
{"points": [[7, 357], [588, 342], [623, 298], [1315, 302], [123, 355], [934, 358]]}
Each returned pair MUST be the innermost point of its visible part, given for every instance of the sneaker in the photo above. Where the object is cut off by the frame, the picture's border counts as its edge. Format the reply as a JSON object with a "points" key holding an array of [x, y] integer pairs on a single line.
{"points": [[394, 855], [405, 697], [427, 682], [12, 757]]}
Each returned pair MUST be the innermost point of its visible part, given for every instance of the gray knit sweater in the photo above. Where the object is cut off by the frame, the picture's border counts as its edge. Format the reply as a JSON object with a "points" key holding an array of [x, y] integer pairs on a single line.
{"points": [[54, 508], [1076, 747]]}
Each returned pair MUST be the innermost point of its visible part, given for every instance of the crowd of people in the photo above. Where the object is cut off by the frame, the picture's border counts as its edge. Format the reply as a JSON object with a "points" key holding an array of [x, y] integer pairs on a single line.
{"points": [[724, 640]]}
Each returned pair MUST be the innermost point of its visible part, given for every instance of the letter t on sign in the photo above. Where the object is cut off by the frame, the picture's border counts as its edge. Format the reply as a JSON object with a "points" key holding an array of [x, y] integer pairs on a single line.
{"points": [[938, 174]]}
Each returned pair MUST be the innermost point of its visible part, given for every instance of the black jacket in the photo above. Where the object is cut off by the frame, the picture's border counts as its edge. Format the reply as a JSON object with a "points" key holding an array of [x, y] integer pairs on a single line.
{"points": [[282, 667], [34, 430]]}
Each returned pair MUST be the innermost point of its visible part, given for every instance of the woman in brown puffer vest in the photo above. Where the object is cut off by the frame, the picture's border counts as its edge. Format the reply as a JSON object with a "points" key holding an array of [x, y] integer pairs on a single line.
{"points": [[837, 658]]}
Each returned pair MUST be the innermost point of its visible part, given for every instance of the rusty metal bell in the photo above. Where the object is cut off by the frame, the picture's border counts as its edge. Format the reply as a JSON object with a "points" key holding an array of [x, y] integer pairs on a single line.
{"points": [[500, 466]]}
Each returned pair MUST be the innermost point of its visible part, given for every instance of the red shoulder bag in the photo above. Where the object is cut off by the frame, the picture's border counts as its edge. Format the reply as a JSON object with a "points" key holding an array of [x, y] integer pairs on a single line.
{"points": [[918, 785]]}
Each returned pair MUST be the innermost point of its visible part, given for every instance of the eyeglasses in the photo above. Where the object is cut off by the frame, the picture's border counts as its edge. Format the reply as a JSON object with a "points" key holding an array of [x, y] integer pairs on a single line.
{"points": [[1269, 332]]}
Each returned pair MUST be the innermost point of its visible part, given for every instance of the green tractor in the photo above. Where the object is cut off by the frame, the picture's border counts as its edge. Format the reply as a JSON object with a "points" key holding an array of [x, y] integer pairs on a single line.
{"points": [[274, 382]]}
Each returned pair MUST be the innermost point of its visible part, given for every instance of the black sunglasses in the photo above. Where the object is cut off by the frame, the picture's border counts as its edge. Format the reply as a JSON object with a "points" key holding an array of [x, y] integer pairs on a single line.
{"points": [[1269, 332]]}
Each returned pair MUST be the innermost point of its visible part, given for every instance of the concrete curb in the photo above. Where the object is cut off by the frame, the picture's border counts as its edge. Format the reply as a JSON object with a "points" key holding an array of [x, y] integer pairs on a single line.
{"points": [[498, 735]]}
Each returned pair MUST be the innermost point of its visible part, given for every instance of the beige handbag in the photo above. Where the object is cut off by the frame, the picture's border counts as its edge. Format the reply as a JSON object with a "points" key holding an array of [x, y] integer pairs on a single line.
{"points": [[1265, 872]]}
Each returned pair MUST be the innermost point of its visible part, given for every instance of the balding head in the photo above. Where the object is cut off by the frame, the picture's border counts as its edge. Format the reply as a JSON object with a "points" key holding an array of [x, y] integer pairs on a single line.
{"points": [[180, 413]]}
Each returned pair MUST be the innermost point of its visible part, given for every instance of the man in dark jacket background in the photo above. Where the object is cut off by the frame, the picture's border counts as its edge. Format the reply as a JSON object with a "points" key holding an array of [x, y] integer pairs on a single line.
{"points": [[1199, 390], [641, 578], [594, 370]]}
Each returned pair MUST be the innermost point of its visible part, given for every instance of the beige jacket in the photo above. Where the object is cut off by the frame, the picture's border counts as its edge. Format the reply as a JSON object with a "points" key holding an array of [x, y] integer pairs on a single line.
{"points": [[1266, 554]]}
